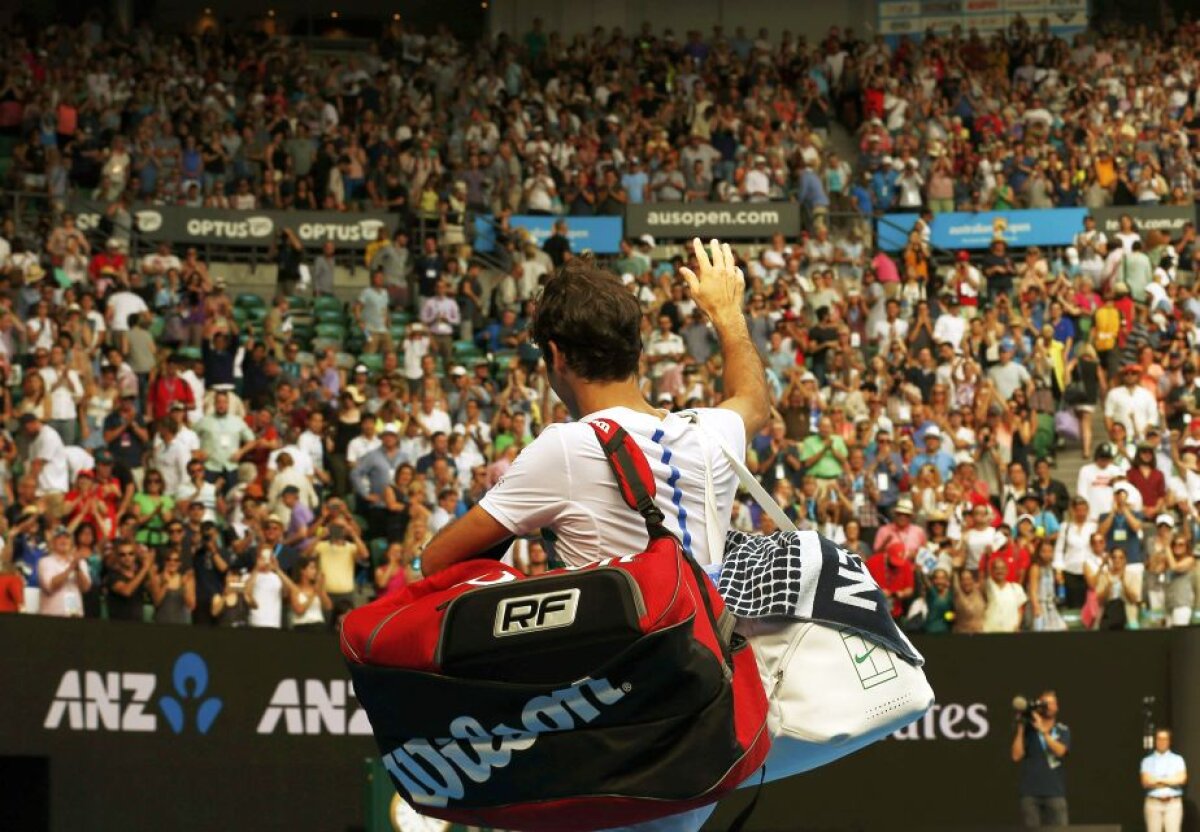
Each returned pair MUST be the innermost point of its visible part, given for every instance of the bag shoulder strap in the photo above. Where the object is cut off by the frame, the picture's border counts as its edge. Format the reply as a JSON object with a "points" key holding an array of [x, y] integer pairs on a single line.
{"points": [[748, 481], [637, 485], [633, 474]]}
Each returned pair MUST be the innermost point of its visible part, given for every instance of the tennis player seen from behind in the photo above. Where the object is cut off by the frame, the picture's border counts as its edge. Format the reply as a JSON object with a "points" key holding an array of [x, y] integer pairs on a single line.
{"points": [[588, 326]]}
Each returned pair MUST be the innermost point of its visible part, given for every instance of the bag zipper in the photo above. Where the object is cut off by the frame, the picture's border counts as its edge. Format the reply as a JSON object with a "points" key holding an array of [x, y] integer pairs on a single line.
{"points": [[792, 647]]}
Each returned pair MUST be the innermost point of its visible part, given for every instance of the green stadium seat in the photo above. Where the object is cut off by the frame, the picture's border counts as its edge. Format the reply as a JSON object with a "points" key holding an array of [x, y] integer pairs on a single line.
{"points": [[379, 547], [401, 318], [249, 300], [345, 361], [465, 351], [322, 344], [329, 316], [372, 360], [326, 304], [297, 303], [331, 330]]}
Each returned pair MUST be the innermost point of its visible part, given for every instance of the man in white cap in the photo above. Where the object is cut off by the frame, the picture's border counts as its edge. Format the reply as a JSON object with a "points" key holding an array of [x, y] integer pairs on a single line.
{"points": [[756, 184], [934, 455]]}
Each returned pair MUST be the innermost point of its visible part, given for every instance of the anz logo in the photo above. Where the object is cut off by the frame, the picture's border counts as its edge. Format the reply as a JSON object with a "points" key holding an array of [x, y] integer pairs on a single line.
{"points": [[90, 700]]}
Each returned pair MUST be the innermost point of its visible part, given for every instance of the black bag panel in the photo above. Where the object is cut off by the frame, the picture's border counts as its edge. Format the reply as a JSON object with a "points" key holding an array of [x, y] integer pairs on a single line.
{"points": [[403, 703], [628, 729], [541, 630]]}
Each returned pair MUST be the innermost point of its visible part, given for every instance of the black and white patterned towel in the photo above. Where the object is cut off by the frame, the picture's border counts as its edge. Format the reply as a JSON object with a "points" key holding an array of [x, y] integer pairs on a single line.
{"points": [[808, 577]]}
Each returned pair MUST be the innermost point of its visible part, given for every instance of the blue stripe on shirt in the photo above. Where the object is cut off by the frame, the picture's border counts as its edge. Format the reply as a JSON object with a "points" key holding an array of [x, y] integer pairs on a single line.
{"points": [[676, 492]]}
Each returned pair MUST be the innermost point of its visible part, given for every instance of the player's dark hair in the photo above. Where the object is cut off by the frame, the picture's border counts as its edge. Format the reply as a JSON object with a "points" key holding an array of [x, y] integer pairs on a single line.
{"points": [[593, 320]]}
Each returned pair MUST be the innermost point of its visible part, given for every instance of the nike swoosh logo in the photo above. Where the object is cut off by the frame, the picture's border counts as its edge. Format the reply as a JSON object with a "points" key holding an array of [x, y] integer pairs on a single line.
{"points": [[863, 657]]}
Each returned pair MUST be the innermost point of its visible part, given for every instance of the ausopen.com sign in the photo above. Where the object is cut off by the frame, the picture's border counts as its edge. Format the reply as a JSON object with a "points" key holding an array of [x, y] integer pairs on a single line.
{"points": [[199, 226], [741, 221]]}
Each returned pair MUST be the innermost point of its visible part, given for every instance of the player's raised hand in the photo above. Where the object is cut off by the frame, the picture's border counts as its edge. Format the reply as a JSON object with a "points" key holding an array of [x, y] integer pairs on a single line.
{"points": [[719, 290]]}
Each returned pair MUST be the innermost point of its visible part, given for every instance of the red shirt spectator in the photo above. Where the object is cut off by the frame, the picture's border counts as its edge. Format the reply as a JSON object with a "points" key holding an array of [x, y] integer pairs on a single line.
{"points": [[167, 389], [1016, 558], [111, 259], [12, 592], [1124, 304], [86, 503], [266, 440], [893, 571], [1148, 480]]}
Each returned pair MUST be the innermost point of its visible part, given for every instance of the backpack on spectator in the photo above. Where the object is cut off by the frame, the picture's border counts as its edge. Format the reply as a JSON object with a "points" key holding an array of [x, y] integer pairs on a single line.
{"points": [[580, 699]]}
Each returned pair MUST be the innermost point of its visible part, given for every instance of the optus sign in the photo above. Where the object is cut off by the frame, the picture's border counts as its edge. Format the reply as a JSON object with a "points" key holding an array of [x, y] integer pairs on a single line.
{"points": [[179, 225]]}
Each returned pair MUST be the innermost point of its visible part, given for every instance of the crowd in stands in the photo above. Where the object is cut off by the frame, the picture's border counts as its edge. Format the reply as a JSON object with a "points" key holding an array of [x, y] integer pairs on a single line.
{"points": [[429, 126], [181, 452]]}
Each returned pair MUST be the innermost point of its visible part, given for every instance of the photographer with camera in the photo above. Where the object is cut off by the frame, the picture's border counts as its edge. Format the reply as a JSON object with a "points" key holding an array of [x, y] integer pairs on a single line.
{"points": [[1164, 774], [1040, 746]]}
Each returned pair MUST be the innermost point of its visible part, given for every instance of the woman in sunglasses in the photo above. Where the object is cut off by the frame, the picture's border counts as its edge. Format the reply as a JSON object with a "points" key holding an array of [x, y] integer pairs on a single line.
{"points": [[172, 590]]}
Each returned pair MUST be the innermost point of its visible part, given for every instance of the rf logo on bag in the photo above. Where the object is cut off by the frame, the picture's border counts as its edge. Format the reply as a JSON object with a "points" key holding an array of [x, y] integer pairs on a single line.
{"points": [[529, 613]]}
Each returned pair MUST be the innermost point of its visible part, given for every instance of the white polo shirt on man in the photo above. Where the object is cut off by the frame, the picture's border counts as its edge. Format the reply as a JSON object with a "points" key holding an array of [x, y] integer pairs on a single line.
{"points": [[562, 481]]}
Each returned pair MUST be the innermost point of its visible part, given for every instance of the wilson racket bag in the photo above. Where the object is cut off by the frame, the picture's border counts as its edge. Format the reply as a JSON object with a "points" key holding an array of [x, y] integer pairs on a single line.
{"points": [[576, 700]]}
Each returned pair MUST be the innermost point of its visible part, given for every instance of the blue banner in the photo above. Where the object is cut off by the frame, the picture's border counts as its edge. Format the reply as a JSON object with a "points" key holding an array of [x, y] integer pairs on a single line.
{"points": [[600, 234], [892, 230], [1046, 227]]}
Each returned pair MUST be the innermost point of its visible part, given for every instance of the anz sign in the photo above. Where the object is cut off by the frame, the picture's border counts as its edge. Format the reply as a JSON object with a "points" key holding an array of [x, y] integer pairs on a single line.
{"points": [[92, 700]]}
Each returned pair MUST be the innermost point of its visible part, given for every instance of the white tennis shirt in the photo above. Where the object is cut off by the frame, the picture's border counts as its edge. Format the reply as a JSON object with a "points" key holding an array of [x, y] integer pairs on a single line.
{"points": [[563, 482]]}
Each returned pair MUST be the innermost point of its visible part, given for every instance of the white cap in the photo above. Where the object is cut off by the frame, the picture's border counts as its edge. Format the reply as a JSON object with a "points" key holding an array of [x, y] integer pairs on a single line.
{"points": [[933, 433], [647, 240], [1164, 520]]}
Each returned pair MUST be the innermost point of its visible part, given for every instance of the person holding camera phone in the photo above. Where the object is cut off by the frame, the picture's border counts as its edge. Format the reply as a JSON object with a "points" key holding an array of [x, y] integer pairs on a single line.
{"points": [[1040, 746], [337, 546]]}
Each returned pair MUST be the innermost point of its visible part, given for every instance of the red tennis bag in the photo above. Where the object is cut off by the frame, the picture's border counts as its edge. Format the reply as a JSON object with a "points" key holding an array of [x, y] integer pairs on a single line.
{"points": [[580, 699]]}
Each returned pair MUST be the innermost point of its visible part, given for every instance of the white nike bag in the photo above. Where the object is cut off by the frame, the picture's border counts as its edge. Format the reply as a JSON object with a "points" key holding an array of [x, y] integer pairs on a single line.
{"points": [[830, 691]]}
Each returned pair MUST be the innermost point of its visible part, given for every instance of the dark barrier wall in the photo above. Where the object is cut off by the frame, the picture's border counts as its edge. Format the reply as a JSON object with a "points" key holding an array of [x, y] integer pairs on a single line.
{"points": [[151, 727], [952, 770], [157, 727]]}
